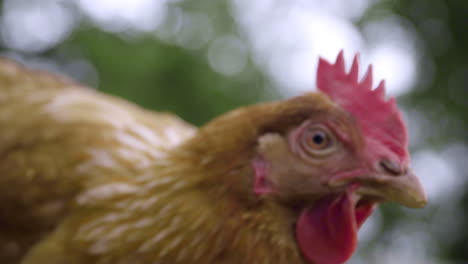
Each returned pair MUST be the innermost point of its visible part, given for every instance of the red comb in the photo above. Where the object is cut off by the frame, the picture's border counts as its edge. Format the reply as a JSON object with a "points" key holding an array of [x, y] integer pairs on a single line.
{"points": [[379, 119]]}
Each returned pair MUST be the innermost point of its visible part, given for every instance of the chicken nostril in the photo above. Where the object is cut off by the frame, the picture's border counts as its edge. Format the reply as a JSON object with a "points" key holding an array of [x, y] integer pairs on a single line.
{"points": [[391, 167]]}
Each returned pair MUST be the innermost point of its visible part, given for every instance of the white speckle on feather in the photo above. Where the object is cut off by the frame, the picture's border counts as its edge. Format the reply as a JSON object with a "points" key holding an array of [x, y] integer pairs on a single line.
{"points": [[129, 154], [144, 222], [156, 182], [143, 204], [137, 144], [165, 209], [198, 249], [195, 241], [179, 185], [206, 160], [95, 233], [130, 141], [197, 223], [106, 191], [146, 134], [177, 220], [99, 247], [171, 245], [99, 158], [138, 158], [112, 217], [81, 104], [122, 204], [116, 232], [154, 241], [157, 154], [235, 113], [166, 231], [174, 137]]}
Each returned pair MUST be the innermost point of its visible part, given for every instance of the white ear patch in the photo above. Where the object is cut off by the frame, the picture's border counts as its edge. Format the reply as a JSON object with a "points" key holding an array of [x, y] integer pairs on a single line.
{"points": [[271, 142]]}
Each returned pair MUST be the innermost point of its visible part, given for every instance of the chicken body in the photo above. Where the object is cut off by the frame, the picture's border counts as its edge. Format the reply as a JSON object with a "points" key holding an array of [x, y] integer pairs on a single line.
{"points": [[90, 178]]}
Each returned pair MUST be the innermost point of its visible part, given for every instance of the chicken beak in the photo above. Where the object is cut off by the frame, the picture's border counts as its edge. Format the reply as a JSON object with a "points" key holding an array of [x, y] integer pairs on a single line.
{"points": [[405, 189]]}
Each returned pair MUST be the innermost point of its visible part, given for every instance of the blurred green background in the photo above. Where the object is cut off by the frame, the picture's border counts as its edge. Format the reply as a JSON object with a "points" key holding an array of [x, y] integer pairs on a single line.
{"points": [[201, 58]]}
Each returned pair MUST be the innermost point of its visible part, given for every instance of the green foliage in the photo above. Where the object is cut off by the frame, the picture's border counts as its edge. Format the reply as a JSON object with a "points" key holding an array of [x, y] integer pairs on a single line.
{"points": [[163, 77]]}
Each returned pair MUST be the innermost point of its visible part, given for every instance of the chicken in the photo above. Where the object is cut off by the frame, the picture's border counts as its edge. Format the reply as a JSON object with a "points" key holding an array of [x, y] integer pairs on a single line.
{"points": [[89, 178]]}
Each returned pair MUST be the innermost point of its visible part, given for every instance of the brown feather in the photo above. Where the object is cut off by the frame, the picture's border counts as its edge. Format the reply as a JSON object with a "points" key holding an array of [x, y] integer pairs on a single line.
{"points": [[90, 178]]}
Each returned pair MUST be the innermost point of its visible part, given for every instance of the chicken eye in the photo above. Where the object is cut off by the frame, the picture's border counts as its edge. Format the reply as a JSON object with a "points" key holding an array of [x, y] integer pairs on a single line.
{"points": [[317, 140]]}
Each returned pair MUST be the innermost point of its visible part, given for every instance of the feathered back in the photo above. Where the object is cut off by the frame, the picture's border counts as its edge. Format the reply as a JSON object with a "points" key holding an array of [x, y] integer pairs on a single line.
{"points": [[63, 144]]}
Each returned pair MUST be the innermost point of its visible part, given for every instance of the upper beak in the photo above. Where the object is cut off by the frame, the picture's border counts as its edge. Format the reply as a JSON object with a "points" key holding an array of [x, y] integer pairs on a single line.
{"points": [[405, 188]]}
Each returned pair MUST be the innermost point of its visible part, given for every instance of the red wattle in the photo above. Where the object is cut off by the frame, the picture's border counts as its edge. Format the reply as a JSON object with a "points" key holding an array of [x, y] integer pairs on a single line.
{"points": [[327, 232]]}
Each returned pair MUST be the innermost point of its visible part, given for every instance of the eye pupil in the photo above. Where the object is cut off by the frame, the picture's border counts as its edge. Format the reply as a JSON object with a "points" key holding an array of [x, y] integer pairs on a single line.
{"points": [[318, 139]]}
